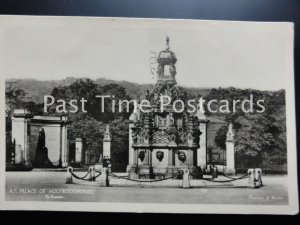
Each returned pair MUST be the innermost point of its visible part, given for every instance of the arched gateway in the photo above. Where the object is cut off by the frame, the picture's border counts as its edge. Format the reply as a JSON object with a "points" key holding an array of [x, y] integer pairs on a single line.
{"points": [[40, 141]]}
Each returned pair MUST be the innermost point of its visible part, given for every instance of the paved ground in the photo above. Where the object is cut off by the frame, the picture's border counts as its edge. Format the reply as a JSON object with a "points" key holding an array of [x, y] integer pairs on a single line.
{"points": [[50, 186]]}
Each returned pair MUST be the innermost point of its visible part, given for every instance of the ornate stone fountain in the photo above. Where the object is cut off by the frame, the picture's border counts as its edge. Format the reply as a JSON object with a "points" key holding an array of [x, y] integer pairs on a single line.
{"points": [[163, 143]]}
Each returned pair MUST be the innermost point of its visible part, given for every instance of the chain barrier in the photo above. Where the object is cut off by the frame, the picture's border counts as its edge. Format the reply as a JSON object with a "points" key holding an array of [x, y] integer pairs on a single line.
{"points": [[81, 178], [141, 181], [254, 176], [99, 173], [91, 173], [226, 181], [225, 175], [222, 181]]}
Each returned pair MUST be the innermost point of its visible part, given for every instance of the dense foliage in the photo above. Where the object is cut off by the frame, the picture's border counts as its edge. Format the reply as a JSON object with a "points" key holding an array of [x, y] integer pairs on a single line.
{"points": [[90, 126], [260, 138]]}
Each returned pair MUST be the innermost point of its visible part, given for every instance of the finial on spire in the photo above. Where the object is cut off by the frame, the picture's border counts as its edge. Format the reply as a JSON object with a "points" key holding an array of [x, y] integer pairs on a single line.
{"points": [[230, 134], [167, 43], [107, 136]]}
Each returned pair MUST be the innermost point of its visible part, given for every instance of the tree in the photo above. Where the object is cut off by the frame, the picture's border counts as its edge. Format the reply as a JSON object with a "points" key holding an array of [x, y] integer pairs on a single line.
{"points": [[90, 130], [260, 138], [220, 138], [90, 126]]}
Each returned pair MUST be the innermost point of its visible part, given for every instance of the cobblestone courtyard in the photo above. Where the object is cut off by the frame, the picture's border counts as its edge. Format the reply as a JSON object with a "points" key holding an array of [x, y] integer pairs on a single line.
{"points": [[50, 186]]}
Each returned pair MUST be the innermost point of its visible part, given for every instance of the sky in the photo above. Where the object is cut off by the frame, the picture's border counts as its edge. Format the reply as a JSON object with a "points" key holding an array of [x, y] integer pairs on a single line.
{"points": [[209, 53]]}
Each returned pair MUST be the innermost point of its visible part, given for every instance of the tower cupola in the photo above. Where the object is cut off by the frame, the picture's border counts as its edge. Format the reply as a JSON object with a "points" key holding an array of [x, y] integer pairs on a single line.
{"points": [[166, 60]]}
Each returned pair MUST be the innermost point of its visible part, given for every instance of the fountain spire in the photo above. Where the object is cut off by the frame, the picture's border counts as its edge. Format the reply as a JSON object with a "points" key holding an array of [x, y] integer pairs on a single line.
{"points": [[167, 43]]}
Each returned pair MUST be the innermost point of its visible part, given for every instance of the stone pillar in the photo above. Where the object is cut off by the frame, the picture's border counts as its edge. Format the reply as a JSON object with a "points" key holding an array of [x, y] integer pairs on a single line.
{"points": [[131, 150], [131, 153], [107, 143], [87, 158], [78, 150], [136, 156], [19, 158], [170, 157], [202, 150], [186, 179], [21, 134], [171, 161], [68, 153], [150, 155], [190, 156], [64, 143], [230, 165]]}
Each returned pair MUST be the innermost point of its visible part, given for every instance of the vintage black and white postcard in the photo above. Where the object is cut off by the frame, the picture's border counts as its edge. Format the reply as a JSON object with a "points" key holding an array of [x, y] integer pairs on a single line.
{"points": [[147, 115]]}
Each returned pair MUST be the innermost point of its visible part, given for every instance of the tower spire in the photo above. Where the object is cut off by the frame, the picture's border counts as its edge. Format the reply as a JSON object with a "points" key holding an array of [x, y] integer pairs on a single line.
{"points": [[167, 43]]}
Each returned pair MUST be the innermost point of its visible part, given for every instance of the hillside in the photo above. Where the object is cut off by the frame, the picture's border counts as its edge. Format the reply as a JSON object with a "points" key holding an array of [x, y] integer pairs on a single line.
{"points": [[36, 89]]}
